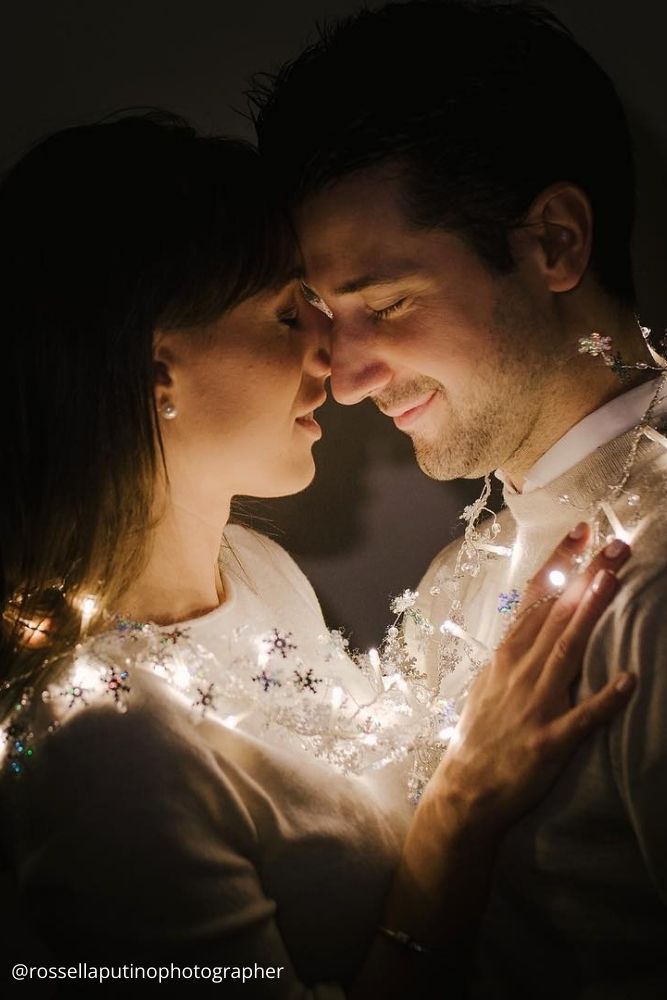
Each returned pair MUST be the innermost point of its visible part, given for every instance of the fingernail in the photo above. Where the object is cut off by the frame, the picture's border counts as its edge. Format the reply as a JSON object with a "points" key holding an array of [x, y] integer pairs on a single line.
{"points": [[579, 531], [625, 682], [602, 580], [615, 549]]}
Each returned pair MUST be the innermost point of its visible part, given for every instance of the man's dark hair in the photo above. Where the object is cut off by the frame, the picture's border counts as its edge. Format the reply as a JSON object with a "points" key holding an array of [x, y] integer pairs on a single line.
{"points": [[482, 106]]}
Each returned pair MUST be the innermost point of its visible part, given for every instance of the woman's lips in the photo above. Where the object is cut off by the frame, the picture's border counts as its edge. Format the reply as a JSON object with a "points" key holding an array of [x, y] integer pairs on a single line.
{"points": [[309, 424], [308, 421], [408, 417]]}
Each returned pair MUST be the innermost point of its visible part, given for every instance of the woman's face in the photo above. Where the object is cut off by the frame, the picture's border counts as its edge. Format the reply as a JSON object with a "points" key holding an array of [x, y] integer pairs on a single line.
{"points": [[244, 388]]}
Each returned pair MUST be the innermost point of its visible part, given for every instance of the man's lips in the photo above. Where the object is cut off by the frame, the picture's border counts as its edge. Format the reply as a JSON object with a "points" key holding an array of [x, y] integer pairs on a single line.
{"points": [[404, 414]]}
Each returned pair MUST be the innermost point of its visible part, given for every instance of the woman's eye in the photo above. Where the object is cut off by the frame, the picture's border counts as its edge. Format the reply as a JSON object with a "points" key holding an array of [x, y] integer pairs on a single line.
{"points": [[388, 310], [290, 317]]}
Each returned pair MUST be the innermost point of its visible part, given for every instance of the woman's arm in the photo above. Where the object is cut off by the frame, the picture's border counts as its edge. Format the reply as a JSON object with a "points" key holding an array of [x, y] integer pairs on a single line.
{"points": [[145, 826], [517, 731]]}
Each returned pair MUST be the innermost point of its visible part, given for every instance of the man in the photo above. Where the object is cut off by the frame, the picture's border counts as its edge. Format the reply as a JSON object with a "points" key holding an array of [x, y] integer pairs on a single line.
{"points": [[462, 184]]}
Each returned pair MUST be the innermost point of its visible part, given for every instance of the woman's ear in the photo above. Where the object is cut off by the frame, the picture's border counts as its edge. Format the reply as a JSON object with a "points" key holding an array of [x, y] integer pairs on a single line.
{"points": [[560, 228], [163, 375], [161, 372]]}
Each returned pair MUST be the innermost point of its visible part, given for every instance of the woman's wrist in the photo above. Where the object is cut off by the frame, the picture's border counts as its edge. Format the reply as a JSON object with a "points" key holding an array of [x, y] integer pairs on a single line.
{"points": [[463, 807]]}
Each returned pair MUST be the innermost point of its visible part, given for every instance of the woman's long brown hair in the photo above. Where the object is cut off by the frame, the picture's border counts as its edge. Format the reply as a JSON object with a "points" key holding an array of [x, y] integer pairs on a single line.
{"points": [[107, 232]]}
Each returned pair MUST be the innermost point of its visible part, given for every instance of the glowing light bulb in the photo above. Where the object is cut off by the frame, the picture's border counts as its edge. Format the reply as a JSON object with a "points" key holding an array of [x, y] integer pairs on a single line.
{"points": [[88, 609], [460, 633], [446, 733], [337, 696], [180, 676], [498, 550], [614, 522], [374, 657]]}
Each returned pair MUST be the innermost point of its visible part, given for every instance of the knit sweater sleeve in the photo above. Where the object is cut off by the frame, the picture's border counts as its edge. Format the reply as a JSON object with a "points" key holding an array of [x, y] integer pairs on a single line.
{"points": [[634, 637], [135, 844]]}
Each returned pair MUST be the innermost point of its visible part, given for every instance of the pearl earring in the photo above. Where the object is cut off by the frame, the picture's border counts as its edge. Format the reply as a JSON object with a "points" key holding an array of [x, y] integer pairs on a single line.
{"points": [[168, 411]]}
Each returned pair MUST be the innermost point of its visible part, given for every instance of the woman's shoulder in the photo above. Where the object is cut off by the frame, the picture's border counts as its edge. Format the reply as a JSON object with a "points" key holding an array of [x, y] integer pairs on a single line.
{"points": [[105, 768], [264, 565], [247, 543], [101, 688]]}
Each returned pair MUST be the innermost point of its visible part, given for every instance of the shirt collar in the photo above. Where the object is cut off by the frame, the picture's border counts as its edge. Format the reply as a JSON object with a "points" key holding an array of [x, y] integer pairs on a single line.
{"points": [[598, 428]]}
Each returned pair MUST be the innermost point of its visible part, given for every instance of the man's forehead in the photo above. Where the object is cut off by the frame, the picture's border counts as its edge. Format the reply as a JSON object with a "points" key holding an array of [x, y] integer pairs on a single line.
{"points": [[352, 208]]}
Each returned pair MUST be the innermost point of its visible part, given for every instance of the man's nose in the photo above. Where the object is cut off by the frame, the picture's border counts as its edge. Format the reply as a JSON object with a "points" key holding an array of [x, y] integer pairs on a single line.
{"points": [[317, 329], [358, 368]]}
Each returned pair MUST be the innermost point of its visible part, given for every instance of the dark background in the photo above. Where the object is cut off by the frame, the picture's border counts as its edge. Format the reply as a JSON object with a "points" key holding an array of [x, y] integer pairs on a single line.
{"points": [[371, 522]]}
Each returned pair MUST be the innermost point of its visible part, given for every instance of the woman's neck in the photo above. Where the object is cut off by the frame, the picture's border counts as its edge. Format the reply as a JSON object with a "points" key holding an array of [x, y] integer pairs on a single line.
{"points": [[182, 578]]}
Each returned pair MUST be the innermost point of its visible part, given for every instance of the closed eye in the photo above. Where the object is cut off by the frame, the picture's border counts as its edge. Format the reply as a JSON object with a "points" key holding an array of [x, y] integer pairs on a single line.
{"points": [[378, 314], [289, 316]]}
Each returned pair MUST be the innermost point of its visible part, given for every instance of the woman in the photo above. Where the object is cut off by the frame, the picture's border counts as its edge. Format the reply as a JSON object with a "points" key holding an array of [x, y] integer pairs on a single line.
{"points": [[160, 361]]}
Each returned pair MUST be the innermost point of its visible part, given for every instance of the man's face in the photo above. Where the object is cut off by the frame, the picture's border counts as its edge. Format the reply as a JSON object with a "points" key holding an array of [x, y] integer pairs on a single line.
{"points": [[455, 353]]}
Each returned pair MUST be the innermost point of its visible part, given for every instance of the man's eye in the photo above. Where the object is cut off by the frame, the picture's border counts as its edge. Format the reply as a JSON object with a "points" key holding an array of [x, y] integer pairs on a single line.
{"points": [[388, 310]]}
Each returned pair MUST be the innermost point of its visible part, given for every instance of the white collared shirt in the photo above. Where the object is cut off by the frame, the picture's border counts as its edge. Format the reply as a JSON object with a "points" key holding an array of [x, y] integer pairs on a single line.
{"points": [[598, 428]]}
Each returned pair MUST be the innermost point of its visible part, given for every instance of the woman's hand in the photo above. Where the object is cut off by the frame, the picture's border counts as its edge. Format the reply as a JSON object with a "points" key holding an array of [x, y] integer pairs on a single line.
{"points": [[519, 726], [516, 733]]}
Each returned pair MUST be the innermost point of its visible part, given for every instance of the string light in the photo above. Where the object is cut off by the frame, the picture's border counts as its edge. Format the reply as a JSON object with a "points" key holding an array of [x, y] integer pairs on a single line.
{"points": [[460, 633], [446, 733], [614, 522], [653, 435], [498, 550], [403, 713], [88, 609]]}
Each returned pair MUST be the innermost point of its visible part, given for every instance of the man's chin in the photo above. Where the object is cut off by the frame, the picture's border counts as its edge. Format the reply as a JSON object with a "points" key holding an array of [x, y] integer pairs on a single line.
{"points": [[445, 467]]}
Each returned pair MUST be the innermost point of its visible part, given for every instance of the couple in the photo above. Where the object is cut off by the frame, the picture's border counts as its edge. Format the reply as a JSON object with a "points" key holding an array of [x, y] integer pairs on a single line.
{"points": [[193, 770]]}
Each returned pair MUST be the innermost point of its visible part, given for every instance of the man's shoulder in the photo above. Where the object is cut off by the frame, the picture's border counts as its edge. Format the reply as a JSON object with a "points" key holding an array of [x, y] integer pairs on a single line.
{"points": [[643, 592]]}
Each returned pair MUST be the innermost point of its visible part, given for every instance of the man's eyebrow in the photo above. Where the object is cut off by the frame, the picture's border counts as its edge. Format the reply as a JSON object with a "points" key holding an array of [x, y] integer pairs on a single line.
{"points": [[396, 273]]}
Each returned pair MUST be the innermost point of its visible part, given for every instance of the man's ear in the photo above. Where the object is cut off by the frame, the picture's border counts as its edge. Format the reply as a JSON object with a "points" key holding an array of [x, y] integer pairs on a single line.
{"points": [[559, 231]]}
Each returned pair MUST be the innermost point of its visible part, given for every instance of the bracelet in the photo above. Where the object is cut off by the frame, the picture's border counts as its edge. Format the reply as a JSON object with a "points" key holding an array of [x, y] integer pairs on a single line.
{"points": [[405, 941]]}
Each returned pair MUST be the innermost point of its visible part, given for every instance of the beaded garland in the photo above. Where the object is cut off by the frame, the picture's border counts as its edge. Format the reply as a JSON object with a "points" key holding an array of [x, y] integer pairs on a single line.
{"points": [[265, 682], [456, 646]]}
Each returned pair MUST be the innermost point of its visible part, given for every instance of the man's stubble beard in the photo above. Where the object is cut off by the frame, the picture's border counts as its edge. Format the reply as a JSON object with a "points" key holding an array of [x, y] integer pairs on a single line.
{"points": [[460, 446], [490, 424]]}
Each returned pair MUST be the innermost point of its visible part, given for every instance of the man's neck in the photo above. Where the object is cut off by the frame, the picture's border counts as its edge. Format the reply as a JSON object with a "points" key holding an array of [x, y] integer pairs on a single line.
{"points": [[575, 391]]}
